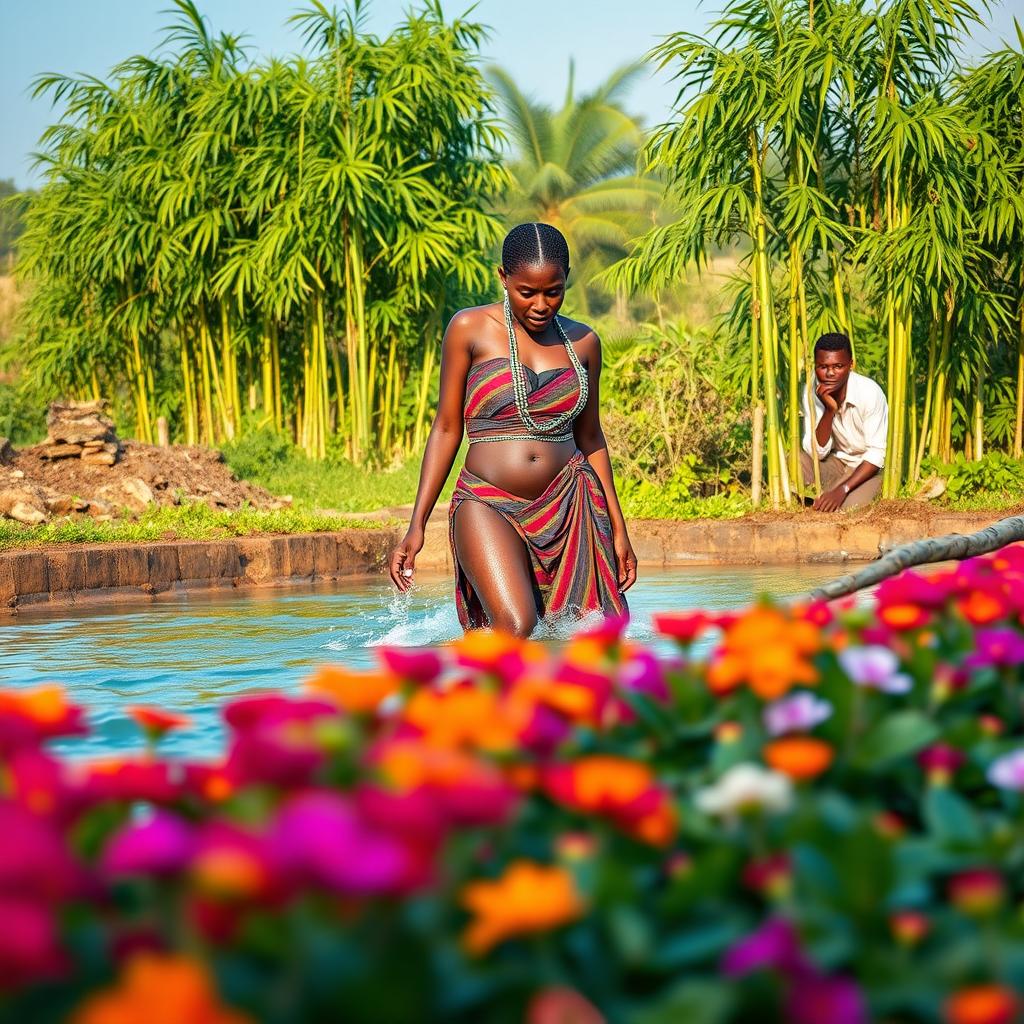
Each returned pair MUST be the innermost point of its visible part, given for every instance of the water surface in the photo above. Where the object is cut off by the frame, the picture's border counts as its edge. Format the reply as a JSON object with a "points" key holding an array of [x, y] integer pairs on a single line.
{"points": [[190, 652]]}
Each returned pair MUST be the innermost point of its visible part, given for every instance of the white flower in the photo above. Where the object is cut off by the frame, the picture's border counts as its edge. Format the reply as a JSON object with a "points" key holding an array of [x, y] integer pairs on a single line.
{"points": [[746, 787], [876, 668], [798, 712], [1007, 772]]}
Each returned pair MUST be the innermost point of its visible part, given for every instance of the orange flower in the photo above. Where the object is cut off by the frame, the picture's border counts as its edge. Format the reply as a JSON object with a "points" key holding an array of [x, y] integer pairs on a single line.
{"points": [[799, 757], [981, 608], [463, 716], [157, 988], [981, 1004], [623, 790], [44, 705], [527, 898], [488, 648], [351, 690], [766, 649], [903, 616], [156, 721]]}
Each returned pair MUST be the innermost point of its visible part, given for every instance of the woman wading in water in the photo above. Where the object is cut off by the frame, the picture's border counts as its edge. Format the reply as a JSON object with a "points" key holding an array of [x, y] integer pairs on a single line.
{"points": [[535, 523]]}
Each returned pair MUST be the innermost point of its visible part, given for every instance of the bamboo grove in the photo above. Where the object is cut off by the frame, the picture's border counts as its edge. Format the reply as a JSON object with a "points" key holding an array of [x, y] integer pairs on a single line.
{"points": [[228, 243], [878, 189], [274, 243]]}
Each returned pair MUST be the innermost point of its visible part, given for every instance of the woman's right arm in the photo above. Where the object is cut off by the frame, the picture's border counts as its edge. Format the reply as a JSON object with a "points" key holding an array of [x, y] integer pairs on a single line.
{"points": [[442, 443]]}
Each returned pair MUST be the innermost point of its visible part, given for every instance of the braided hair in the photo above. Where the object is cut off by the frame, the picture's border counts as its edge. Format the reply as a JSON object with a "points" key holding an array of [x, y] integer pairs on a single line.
{"points": [[530, 245]]}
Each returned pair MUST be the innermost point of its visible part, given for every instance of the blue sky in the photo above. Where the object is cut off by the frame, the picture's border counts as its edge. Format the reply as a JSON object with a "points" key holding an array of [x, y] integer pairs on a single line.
{"points": [[533, 39]]}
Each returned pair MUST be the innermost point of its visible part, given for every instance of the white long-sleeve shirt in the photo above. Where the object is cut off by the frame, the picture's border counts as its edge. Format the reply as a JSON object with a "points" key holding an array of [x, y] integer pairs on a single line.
{"points": [[859, 427]]}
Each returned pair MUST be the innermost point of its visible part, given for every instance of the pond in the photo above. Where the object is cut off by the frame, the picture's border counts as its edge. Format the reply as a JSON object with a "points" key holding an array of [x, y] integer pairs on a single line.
{"points": [[190, 652]]}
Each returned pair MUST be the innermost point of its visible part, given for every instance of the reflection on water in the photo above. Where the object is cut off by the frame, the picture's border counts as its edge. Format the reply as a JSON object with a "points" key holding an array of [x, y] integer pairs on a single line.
{"points": [[190, 652]]}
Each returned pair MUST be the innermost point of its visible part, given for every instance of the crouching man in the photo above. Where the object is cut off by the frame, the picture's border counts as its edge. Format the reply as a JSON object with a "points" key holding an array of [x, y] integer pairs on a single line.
{"points": [[847, 431]]}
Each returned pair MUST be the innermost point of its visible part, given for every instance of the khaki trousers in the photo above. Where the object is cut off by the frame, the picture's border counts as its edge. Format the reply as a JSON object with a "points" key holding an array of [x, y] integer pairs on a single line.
{"points": [[833, 470]]}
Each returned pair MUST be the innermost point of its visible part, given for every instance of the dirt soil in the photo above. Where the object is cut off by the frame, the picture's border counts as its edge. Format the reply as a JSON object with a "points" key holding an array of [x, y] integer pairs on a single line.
{"points": [[175, 475], [882, 512]]}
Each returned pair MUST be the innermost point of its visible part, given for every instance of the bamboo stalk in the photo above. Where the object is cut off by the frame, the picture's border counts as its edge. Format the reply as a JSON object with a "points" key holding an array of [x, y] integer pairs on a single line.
{"points": [[757, 455]]}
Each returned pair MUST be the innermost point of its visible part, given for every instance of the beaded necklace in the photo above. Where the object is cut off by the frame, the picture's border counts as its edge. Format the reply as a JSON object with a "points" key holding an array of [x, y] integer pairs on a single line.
{"points": [[554, 429]]}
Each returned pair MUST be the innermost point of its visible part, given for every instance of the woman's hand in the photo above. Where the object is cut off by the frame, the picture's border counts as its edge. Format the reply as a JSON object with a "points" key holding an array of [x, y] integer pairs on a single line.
{"points": [[626, 560], [402, 562]]}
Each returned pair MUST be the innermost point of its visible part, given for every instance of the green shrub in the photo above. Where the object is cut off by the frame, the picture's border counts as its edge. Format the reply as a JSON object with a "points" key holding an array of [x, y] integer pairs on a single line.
{"points": [[996, 476]]}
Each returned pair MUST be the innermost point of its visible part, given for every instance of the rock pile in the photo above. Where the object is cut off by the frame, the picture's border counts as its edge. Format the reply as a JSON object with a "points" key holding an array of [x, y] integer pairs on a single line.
{"points": [[82, 468], [81, 430]]}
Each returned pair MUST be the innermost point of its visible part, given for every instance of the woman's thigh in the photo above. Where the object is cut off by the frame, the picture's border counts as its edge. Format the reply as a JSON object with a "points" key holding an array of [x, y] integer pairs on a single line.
{"points": [[496, 564]]}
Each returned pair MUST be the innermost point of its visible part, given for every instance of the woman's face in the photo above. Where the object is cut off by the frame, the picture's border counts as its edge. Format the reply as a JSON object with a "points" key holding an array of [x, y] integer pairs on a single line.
{"points": [[535, 293]]}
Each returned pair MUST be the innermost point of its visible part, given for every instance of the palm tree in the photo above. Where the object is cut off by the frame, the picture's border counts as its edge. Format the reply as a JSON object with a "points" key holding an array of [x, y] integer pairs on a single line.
{"points": [[575, 168]]}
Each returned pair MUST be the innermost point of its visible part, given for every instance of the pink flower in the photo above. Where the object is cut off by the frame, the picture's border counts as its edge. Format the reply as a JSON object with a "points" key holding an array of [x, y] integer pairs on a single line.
{"points": [[798, 712], [644, 674], [875, 668], [275, 739], [416, 666], [29, 947], [815, 998], [996, 648], [940, 762], [318, 839], [911, 588], [161, 844], [1007, 772], [774, 945]]}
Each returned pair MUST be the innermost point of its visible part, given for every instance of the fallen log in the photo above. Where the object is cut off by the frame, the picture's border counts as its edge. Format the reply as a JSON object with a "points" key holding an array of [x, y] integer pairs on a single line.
{"points": [[953, 546]]}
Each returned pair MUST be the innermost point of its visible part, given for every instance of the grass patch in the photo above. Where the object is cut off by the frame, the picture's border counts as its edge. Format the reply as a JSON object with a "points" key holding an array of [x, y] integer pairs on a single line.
{"points": [[270, 460], [182, 522]]}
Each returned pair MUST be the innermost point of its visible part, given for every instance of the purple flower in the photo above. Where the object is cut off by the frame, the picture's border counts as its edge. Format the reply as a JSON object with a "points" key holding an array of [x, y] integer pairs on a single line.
{"points": [[319, 839], [814, 998], [798, 712], [875, 668], [998, 648], [643, 673], [774, 945], [1007, 772], [162, 844]]}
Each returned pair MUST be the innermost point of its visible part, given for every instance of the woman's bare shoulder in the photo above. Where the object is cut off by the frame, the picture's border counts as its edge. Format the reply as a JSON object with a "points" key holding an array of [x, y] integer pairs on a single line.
{"points": [[476, 328], [583, 337], [474, 317]]}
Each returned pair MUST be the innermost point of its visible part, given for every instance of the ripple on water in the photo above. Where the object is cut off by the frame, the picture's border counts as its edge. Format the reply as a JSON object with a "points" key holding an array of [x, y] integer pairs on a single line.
{"points": [[192, 652]]}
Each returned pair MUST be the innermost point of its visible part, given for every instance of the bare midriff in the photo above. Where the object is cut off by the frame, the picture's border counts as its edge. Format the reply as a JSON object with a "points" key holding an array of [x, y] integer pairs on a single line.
{"points": [[523, 468]]}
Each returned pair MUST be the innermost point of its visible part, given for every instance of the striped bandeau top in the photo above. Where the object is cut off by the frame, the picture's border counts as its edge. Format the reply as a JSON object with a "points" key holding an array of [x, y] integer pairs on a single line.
{"points": [[490, 407]]}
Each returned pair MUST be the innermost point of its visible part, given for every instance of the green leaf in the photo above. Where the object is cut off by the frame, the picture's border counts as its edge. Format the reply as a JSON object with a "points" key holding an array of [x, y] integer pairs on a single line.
{"points": [[950, 819], [897, 736], [695, 1002]]}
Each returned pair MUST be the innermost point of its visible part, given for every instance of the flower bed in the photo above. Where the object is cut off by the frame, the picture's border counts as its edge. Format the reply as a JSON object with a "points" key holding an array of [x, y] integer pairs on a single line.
{"points": [[820, 821]]}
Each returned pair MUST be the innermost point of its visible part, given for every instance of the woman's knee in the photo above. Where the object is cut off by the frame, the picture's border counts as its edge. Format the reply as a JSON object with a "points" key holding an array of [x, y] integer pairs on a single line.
{"points": [[520, 621]]}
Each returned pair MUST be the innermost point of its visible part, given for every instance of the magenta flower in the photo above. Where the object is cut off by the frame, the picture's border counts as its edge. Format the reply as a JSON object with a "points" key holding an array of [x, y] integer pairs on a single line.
{"points": [[876, 668], [318, 839], [996, 648], [34, 861], [416, 666], [798, 712], [644, 674], [814, 998], [773, 946], [161, 844], [29, 947], [274, 739], [912, 588], [1007, 772]]}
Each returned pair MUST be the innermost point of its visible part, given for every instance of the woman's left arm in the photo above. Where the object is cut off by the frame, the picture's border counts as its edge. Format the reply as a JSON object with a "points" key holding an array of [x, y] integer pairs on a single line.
{"points": [[591, 442]]}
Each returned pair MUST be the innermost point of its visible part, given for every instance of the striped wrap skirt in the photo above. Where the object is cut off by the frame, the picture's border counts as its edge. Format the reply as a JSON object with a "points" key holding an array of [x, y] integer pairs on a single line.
{"points": [[567, 534]]}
